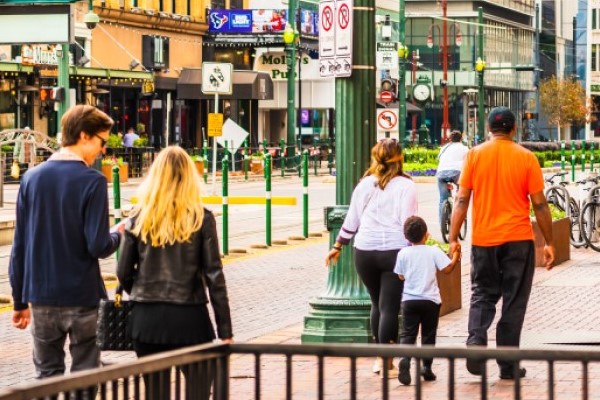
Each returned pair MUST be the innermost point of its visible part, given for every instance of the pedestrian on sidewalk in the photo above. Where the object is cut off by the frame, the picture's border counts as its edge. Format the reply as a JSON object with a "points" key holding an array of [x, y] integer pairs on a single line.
{"points": [[450, 162], [61, 231], [381, 202], [504, 179], [417, 266], [167, 264]]}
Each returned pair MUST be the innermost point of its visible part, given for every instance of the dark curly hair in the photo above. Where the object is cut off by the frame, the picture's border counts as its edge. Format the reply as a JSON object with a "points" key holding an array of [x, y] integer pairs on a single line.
{"points": [[415, 229]]}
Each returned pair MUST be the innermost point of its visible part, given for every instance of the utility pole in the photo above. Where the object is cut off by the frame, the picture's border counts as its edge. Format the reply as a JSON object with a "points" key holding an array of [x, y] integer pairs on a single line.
{"points": [[445, 119], [341, 314], [536, 74], [291, 82], [402, 55], [480, 67]]}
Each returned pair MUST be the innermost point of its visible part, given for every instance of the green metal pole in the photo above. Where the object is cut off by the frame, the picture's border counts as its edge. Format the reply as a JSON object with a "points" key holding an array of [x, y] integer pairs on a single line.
{"points": [[116, 196], [562, 158], [245, 159], [330, 160], [205, 151], [63, 82], [225, 170], [268, 198], [291, 82], [572, 161], [282, 162], [481, 95], [314, 160], [583, 156], [402, 74], [305, 196], [341, 313], [591, 156]]}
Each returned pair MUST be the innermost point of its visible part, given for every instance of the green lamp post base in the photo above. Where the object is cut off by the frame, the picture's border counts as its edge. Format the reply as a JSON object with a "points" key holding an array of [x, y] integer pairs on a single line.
{"points": [[423, 132]]}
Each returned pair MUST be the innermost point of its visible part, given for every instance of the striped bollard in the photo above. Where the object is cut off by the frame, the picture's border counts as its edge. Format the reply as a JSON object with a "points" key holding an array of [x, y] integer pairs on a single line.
{"points": [[572, 161], [116, 196], [562, 159], [583, 149], [205, 156], [592, 156], [268, 198], [225, 168]]}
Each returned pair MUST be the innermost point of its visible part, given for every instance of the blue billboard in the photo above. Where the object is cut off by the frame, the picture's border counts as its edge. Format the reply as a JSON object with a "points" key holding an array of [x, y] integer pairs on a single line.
{"points": [[259, 21]]}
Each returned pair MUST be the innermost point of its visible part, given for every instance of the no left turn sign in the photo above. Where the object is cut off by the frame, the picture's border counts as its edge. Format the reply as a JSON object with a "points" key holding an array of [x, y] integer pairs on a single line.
{"points": [[387, 120]]}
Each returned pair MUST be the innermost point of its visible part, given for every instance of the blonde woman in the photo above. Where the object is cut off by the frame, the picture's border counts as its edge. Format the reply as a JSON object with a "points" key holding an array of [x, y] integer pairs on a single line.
{"points": [[169, 259], [380, 204]]}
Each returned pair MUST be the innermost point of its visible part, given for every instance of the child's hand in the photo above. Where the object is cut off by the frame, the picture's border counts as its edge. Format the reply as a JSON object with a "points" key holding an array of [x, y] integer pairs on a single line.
{"points": [[332, 257]]}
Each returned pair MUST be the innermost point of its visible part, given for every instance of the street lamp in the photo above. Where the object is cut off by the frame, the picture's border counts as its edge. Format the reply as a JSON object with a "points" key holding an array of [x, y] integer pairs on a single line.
{"points": [[402, 56], [480, 68], [290, 36]]}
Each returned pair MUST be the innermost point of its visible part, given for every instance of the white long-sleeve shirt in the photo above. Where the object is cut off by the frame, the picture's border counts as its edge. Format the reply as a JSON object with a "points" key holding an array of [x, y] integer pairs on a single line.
{"points": [[381, 222]]}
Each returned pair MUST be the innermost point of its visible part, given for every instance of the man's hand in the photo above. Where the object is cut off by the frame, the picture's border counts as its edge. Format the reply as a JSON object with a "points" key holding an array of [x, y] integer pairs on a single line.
{"points": [[455, 249], [549, 256], [20, 319], [332, 257]]}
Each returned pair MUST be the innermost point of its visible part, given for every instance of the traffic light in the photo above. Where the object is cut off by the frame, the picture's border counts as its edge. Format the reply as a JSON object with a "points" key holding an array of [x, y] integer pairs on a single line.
{"points": [[530, 115], [52, 94], [389, 85]]}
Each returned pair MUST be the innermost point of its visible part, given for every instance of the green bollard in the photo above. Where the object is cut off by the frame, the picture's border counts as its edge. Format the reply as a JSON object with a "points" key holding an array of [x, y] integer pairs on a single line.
{"points": [[205, 151], [246, 159], [282, 159], [225, 172], [305, 196], [572, 161], [583, 156], [116, 196], [330, 160], [315, 160], [591, 156], [562, 159], [268, 198]]}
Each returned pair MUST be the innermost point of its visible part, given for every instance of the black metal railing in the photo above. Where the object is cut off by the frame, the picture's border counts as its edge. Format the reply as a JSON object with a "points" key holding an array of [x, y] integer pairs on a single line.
{"points": [[187, 373]]}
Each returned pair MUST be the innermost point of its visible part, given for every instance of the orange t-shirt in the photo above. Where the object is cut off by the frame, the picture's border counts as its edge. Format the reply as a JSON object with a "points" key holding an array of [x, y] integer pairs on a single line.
{"points": [[501, 175]]}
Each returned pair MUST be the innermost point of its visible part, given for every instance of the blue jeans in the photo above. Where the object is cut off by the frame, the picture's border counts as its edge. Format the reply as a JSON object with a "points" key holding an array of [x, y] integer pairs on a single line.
{"points": [[50, 327], [443, 177]]}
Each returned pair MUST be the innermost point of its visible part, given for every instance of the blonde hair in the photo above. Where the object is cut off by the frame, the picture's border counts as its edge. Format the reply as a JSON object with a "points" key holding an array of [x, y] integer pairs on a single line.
{"points": [[169, 208], [386, 162]]}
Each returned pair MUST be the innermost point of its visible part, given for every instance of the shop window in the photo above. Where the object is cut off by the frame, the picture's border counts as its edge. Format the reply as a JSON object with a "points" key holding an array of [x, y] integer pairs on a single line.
{"points": [[217, 4], [236, 4], [155, 52]]}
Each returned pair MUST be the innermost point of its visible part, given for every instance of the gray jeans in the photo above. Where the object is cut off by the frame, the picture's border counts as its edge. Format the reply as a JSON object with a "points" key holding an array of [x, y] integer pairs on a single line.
{"points": [[50, 327]]}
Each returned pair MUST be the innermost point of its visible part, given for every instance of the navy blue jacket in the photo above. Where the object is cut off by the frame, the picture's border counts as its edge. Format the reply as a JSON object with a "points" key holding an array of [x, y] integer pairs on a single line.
{"points": [[61, 230]]}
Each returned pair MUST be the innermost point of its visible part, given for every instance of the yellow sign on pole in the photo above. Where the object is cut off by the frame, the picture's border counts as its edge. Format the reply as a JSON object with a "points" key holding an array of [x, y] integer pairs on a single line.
{"points": [[215, 124]]}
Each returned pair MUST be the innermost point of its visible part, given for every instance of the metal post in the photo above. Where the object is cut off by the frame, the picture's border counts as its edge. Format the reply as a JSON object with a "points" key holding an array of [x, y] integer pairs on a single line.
{"points": [[305, 196], [481, 96], [245, 166], [315, 160], [268, 199], [562, 159], [225, 178], [402, 74], [291, 80], [445, 117], [282, 160], [592, 156], [572, 161], [583, 156], [536, 76], [116, 196], [341, 314], [63, 82], [205, 152], [214, 160]]}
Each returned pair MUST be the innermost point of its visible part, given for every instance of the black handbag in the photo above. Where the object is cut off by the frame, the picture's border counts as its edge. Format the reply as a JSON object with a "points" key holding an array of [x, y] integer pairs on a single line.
{"points": [[113, 317]]}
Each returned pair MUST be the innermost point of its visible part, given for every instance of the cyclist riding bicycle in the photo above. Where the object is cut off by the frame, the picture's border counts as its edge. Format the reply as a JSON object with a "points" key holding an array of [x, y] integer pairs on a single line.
{"points": [[451, 159]]}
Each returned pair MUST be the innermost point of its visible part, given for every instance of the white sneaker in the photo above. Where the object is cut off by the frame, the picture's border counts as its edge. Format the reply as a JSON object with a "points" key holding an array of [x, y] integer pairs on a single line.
{"points": [[377, 366]]}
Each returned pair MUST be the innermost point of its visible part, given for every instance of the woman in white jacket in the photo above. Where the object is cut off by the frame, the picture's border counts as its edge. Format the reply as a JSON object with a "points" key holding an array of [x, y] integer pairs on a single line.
{"points": [[380, 204]]}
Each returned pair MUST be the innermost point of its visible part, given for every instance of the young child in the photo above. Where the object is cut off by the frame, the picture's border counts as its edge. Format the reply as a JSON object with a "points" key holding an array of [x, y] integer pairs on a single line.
{"points": [[416, 266]]}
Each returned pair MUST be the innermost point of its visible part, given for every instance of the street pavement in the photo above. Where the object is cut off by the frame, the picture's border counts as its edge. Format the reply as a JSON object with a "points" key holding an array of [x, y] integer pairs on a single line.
{"points": [[270, 291]]}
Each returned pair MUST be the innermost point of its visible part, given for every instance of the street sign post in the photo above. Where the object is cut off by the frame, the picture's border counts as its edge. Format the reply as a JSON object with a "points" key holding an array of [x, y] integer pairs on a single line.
{"points": [[217, 79], [335, 38]]}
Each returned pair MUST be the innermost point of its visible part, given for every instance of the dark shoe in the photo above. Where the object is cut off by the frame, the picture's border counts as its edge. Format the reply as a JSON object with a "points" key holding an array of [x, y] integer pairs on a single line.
{"points": [[511, 374], [474, 366], [404, 371], [428, 374]]}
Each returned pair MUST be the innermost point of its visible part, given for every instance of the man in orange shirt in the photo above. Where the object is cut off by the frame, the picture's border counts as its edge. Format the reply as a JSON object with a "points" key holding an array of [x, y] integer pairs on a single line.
{"points": [[503, 178]]}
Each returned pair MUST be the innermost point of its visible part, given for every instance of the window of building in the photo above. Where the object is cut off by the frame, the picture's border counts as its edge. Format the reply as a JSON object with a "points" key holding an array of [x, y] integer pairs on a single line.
{"points": [[236, 4], [594, 18], [217, 4], [594, 57]]}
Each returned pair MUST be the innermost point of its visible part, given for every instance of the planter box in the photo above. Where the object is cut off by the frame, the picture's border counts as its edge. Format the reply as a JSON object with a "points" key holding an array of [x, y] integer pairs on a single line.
{"points": [[561, 230], [200, 167], [450, 290], [256, 166], [123, 172]]}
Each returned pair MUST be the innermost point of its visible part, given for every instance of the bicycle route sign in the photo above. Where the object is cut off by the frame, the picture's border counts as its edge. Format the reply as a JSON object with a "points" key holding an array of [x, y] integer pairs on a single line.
{"points": [[335, 38], [217, 78]]}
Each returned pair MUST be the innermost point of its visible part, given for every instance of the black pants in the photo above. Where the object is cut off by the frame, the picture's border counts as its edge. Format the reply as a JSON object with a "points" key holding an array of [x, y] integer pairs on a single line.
{"points": [[504, 271], [423, 313], [198, 378], [376, 270]]}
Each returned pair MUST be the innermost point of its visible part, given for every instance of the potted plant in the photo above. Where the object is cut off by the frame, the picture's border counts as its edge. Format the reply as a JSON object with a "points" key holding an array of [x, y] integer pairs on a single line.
{"points": [[114, 141], [199, 161], [107, 165], [450, 289], [561, 231]]}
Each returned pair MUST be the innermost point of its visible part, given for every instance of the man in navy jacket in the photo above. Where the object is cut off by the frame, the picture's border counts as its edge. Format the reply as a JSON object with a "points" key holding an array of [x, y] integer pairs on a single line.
{"points": [[62, 230]]}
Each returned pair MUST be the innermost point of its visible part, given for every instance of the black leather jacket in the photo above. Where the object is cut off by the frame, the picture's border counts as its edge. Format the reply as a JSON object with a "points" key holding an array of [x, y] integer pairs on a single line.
{"points": [[178, 273]]}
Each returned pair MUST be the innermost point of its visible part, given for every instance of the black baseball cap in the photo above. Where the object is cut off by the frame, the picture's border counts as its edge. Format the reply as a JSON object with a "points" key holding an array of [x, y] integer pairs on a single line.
{"points": [[501, 119]]}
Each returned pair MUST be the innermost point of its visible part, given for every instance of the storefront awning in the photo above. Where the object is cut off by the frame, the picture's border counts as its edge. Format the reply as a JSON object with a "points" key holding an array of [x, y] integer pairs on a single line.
{"points": [[15, 67], [247, 85]]}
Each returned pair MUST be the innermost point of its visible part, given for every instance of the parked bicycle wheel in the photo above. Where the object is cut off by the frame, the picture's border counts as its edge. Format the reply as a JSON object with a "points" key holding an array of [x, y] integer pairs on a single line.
{"points": [[588, 224], [462, 233], [555, 197], [577, 239], [446, 215]]}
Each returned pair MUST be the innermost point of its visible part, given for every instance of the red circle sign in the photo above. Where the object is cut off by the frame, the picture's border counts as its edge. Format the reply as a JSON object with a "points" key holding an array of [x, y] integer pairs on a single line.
{"points": [[327, 18], [386, 97]]}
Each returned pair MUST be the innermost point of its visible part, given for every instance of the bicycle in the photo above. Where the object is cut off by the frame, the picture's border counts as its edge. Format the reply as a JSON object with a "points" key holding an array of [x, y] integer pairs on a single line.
{"points": [[590, 216], [559, 196], [447, 214]]}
